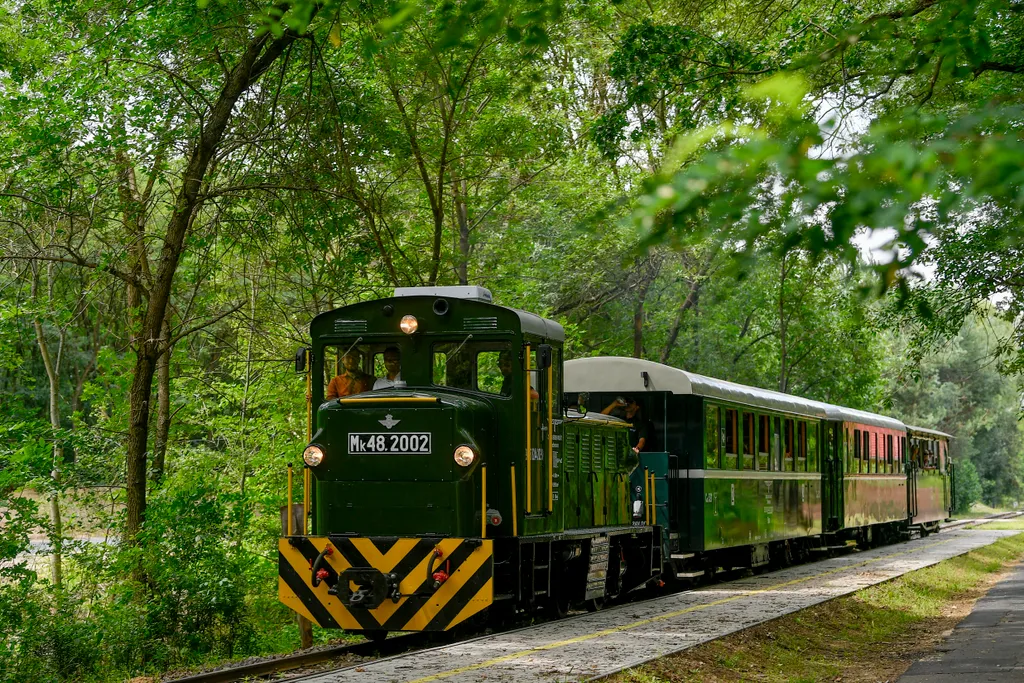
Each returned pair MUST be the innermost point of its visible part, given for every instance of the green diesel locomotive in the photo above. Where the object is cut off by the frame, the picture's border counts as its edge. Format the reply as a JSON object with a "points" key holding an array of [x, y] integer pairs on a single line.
{"points": [[461, 483]]}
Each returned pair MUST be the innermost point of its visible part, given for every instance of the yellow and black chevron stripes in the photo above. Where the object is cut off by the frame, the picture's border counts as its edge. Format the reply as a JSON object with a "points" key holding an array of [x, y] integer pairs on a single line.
{"points": [[468, 590]]}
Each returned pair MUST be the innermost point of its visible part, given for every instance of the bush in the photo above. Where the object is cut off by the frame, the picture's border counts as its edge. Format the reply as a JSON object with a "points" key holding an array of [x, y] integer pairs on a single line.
{"points": [[967, 486]]}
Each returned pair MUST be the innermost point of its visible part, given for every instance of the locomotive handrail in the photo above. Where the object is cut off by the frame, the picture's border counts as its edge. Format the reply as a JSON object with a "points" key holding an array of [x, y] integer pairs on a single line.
{"points": [[551, 459], [515, 507], [394, 399], [529, 454], [288, 517]]}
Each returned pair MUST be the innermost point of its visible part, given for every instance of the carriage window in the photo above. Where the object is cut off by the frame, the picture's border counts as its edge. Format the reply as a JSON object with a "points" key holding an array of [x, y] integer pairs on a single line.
{"points": [[888, 454], [848, 446], [812, 448], [748, 441], [731, 439], [711, 436], [856, 451], [763, 442], [480, 366], [801, 447], [788, 445], [865, 452]]}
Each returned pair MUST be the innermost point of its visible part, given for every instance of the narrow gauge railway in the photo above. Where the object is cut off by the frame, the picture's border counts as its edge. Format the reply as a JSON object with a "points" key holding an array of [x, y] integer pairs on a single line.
{"points": [[454, 475]]}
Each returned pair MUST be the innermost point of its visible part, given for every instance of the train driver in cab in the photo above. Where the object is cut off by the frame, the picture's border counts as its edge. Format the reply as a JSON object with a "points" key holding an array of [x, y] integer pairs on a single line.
{"points": [[352, 381], [628, 409], [505, 366], [392, 367]]}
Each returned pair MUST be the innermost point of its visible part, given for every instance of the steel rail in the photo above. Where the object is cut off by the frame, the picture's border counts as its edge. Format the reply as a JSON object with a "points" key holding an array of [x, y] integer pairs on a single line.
{"points": [[384, 648]]}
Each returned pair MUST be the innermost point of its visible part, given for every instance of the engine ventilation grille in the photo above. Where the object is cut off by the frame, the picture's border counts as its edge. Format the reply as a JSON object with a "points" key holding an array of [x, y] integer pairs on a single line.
{"points": [[482, 323], [348, 326]]}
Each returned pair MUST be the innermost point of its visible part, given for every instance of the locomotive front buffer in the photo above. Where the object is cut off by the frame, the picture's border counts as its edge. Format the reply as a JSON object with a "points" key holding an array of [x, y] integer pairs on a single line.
{"points": [[386, 583]]}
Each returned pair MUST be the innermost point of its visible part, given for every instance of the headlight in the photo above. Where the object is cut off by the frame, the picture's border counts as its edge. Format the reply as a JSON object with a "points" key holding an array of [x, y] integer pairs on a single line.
{"points": [[409, 324], [464, 456], [313, 455]]}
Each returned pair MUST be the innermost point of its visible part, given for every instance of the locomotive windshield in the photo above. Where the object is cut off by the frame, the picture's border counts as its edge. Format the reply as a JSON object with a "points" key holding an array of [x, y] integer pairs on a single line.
{"points": [[355, 367]]}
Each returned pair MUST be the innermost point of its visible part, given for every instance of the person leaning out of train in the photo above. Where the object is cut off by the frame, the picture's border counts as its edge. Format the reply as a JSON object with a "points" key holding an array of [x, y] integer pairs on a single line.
{"points": [[628, 409], [393, 368], [352, 381]]}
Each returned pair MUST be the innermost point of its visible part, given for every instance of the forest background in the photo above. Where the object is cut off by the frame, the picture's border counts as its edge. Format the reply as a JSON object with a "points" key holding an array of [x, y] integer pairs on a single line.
{"points": [[184, 186]]}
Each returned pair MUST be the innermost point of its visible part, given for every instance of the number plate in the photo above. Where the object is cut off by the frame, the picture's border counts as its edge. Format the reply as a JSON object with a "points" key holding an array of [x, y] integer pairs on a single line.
{"points": [[389, 443]]}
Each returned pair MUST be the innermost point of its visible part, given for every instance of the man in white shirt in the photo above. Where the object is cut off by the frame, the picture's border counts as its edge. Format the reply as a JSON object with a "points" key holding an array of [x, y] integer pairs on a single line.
{"points": [[393, 366]]}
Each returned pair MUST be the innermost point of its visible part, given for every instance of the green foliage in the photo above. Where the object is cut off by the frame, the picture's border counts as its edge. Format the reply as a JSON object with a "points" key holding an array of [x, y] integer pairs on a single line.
{"points": [[433, 142], [968, 487]]}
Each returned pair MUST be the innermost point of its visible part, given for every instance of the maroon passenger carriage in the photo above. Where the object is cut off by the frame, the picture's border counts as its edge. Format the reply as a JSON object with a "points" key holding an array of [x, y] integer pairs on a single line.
{"points": [[929, 478]]}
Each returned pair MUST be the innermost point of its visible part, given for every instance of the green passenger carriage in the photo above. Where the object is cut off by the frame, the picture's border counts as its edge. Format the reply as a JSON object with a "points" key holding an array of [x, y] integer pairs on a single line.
{"points": [[754, 475]]}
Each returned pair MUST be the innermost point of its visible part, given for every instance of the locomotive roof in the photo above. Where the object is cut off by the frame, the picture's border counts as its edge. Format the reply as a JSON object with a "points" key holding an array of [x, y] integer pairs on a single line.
{"points": [[529, 323], [618, 374], [542, 327], [928, 432]]}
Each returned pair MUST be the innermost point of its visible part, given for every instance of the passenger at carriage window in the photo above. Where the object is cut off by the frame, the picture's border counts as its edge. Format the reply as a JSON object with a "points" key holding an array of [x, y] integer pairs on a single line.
{"points": [[393, 368], [629, 410], [352, 381]]}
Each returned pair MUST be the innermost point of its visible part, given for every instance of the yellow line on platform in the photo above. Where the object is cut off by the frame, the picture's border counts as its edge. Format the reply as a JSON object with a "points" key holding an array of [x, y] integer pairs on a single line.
{"points": [[663, 617]]}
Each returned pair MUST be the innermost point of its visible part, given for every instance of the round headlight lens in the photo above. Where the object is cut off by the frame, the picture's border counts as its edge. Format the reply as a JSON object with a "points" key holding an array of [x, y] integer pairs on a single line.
{"points": [[409, 324], [464, 456], [313, 455]]}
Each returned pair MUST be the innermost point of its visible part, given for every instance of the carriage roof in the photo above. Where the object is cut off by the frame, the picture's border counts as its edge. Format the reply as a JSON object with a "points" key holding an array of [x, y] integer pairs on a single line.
{"points": [[924, 431], [638, 376]]}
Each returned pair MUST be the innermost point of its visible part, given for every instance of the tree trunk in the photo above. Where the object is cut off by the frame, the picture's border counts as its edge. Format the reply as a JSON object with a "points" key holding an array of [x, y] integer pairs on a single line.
{"points": [[163, 406], [53, 376], [783, 373], [689, 302], [257, 58], [459, 189]]}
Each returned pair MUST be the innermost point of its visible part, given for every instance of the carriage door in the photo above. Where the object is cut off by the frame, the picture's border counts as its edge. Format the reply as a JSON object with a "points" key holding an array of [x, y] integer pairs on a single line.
{"points": [[832, 475], [539, 361]]}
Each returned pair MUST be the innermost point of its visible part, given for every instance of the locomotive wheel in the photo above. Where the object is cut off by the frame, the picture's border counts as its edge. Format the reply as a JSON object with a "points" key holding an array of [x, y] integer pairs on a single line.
{"points": [[594, 604], [375, 636], [557, 606]]}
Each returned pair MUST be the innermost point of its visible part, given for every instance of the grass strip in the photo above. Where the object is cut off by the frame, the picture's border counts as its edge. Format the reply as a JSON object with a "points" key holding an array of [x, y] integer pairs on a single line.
{"points": [[872, 635]]}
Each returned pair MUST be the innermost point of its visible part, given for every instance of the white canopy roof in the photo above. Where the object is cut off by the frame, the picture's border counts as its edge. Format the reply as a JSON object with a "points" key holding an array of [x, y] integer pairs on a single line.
{"points": [[924, 431], [614, 374]]}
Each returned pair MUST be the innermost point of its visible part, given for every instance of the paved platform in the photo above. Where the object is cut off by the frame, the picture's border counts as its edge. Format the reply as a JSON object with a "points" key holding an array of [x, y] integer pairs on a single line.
{"points": [[987, 646], [594, 645]]}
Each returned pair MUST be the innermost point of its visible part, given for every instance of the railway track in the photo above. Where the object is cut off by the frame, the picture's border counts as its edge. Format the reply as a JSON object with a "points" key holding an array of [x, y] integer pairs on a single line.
{"points": [[371, 651], [368, 650]]}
